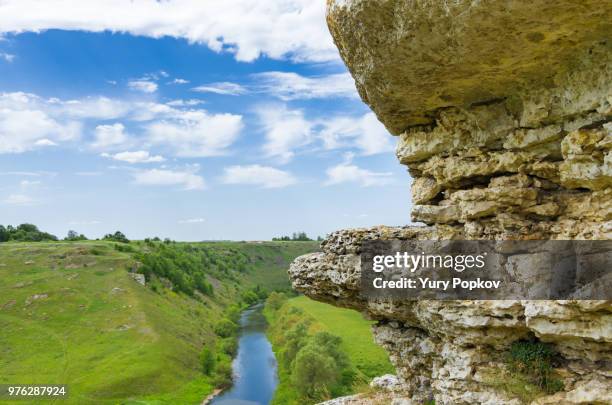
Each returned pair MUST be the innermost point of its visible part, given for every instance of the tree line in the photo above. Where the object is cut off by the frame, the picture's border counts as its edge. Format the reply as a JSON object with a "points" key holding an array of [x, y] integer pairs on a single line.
{"points": [[296, 237], [315, 362]]}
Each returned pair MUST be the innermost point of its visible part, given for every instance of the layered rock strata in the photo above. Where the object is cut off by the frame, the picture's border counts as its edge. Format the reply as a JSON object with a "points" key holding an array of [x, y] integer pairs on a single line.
{"points": [[503, 116]]}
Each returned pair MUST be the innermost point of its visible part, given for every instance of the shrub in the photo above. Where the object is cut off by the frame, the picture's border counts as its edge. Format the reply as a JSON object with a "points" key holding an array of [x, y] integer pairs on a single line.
{"points": [[535, 360], [229, 346], [250, 297], [207, 360], [225, 328], [223, 375]]}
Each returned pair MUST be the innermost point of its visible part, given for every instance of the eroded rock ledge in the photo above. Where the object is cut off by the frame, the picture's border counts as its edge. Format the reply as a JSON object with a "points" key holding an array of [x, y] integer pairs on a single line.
{"points": [[450, 350], [503, 112]]}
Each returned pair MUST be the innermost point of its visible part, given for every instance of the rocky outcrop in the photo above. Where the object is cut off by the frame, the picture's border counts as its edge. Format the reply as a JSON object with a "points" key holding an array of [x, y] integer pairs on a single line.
{"points": [[503, 116]]}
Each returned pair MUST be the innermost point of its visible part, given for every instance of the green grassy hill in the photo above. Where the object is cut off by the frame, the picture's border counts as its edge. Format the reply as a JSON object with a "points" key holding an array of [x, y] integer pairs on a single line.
{"points": [[71, 314], [366, 359]]}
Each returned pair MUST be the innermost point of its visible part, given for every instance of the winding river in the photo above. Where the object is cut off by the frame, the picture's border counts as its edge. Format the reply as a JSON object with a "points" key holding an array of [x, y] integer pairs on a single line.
{"points": [[255, 377]]}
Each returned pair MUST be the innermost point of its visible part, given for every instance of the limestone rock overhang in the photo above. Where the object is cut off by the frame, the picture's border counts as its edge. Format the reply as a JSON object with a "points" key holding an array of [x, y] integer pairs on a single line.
{"points": [[410, 58]]}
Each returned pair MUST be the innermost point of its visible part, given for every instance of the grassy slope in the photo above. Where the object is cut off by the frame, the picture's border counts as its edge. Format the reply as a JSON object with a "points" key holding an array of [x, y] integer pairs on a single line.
{"points": [[369, 359], [101, 332], [355, 331]]}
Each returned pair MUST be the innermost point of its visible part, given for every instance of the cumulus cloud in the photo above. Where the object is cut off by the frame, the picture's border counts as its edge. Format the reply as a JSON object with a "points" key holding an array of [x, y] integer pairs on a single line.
{"points": [[29, 122], [293, 29], [285, 131], [223, 88], [292, 86], [178, 80], [7, 57], [187, 179], [140, 156], [196, 133], [109, 136], [97, 108], [146, 86], [263, 176], [365, 133], [347, 172], [26, 125]]}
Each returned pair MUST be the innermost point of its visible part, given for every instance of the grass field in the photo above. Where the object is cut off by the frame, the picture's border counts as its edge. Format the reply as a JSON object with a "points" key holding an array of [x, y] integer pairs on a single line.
{"points": [[71, 314]]}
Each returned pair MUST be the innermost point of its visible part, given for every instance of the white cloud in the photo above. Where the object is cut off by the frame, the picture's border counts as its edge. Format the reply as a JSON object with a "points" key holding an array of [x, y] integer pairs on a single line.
{"points": [[185, 103], [98, 108], [28, 122], [178, 80], [191, 221], [263, 176], [25, 124], [224, 88], [196, 133], [29, 174], [292, 86], [288, 130], [164, 177], [292, 29], [19, 199], [347, 172], [140, 156], [45, 142], [109, 136], [146, 86], [285, 131], [7, 57], [29, 183], [365, 133]]}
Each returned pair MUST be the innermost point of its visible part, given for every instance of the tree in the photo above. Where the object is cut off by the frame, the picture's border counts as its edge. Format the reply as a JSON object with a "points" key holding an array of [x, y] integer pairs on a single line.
{"points": [[25, 233], [295, 339], [207, 360], [4, 234], [116, 237], [296, 236], [74, 236], [276, 300], [330, 344], [314, 372]]}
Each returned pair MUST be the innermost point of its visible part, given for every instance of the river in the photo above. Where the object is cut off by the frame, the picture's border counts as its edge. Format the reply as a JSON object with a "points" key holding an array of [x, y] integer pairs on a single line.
{"points": [[255, 377]]}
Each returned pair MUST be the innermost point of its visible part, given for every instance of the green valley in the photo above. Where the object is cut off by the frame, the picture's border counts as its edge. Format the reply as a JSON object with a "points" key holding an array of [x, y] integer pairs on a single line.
{"points": [[72, 313]]}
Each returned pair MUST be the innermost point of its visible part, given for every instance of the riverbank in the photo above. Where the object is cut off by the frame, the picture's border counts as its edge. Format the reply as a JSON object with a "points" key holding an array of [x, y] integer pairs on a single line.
{"points": [[254, 367], [342, 336]]}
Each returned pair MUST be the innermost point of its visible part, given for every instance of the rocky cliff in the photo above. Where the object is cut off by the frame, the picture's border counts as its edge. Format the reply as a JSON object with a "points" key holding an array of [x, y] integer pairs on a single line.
{"points": [[502, 111]]}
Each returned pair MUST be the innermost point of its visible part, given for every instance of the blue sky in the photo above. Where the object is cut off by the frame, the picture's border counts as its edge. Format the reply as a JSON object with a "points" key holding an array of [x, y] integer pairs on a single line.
{"points": [[186, 120]]}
